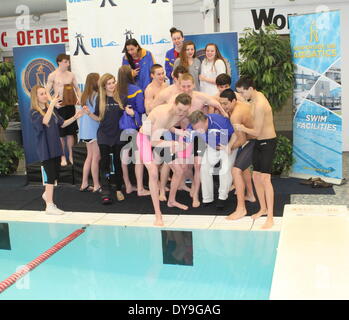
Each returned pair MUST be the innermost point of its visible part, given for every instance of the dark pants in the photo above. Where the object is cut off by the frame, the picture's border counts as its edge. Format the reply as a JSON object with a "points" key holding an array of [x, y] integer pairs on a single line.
{"points": [[51, 170], [107, 166]]}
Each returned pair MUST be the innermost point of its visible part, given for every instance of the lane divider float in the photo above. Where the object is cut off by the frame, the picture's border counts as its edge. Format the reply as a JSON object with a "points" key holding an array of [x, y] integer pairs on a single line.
{"points": [[40, 259]]}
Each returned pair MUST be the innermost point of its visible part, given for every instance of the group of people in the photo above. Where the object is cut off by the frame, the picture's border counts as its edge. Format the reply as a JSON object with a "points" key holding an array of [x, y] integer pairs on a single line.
{"points": [[182, 119]]}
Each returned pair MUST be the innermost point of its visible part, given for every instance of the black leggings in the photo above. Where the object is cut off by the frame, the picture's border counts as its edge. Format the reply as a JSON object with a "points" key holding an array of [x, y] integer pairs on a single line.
{"points": [[51, 170], [105, 167]]}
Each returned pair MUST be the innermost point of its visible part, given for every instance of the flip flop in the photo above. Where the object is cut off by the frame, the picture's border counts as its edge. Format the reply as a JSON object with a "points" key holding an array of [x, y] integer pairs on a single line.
{"points": [[107, 200], [321, 184], [310, 181], [87, 189]]}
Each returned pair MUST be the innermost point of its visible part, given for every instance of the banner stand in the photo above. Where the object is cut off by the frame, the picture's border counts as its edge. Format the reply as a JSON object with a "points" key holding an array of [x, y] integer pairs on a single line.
{"points": [[317, 98], [33, 64]]}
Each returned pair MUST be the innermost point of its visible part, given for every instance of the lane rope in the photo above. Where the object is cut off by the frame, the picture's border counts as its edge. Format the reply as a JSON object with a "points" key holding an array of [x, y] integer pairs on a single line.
{"points": [[40, 259]]}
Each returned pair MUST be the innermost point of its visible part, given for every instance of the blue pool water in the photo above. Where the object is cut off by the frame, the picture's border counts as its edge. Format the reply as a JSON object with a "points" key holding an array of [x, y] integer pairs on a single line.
{"points": [[112, 262]]}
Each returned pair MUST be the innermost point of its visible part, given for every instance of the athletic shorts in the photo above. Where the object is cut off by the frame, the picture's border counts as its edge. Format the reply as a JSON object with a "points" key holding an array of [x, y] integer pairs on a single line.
{"points": [[263, 155], [144, 147], [199, 147], [146, 150], [165, 154], [244, 156], [51, 170], [87, 140], [66, 113]]}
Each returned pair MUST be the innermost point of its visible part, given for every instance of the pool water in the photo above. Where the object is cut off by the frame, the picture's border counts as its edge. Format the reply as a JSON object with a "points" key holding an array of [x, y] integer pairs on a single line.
{"points": [[115, 262]]}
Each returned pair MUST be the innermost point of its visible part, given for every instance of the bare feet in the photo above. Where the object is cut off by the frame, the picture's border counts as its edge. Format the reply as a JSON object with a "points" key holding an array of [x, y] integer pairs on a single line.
{"points": [[130, 188], [167, 189], [120, 196], [176, 204], [250, 198], [86, 188], [237, 214], [259, 214], [63, 162], [143, 193], [97, 189], [196, 203], [185, 188], [158, 222], [162, 195], [268, 224], [71, 159]]}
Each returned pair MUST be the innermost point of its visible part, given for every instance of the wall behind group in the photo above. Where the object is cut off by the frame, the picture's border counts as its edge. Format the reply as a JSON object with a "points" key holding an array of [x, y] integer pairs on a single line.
{"points": [[255, 13]]}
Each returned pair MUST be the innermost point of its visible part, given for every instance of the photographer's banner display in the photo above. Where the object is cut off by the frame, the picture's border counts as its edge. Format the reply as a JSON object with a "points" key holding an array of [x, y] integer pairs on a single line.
{"points": [[33, 65], [317, 125], [227, 43], [98, 30]]}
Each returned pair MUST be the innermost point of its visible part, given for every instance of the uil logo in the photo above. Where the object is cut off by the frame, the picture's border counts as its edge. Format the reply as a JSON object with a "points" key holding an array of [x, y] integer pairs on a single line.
{"points": [[314, 35], [36, 73], [80, 45], [111, 2], [128, 34]]}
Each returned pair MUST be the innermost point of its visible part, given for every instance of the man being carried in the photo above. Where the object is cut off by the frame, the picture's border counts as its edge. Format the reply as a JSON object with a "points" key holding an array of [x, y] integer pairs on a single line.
{"points": [[217, 132], [200, 101], [264, 148], [66, 87], [158, 122], [153, 89]]}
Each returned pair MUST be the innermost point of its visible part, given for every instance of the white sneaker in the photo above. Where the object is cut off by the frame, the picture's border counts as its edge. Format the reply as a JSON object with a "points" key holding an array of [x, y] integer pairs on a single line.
{"points": [[51, 208]]}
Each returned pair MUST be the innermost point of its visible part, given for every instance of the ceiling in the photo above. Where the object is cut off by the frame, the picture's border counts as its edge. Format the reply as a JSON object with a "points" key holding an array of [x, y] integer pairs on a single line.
{"points": [[8, 7]]}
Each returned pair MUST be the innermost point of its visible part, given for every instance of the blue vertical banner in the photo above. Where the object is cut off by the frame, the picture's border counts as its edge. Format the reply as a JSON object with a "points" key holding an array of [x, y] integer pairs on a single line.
{"points": [[317, 124], [33, 64], [227, 43]]}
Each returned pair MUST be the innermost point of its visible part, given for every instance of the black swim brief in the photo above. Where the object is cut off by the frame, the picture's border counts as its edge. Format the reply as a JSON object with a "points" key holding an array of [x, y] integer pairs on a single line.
{"points": [[244, 156], [263, 155]]}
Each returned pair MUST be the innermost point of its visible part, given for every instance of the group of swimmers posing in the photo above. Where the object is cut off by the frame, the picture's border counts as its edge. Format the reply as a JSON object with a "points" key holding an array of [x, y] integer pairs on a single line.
{"points": [[166, 126]]}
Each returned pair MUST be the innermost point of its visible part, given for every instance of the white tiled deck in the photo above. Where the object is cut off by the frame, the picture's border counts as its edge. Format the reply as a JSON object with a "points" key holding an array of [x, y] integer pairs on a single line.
{"points": [[140, 220], [312, 261]]}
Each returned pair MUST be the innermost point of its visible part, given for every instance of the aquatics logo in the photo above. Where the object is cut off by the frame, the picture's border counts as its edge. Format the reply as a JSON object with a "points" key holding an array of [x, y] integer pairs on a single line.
{"points": [[314, 35]]}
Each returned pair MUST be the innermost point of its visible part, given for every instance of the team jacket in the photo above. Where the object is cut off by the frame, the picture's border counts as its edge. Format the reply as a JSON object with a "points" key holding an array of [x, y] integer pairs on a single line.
{"points": [[143, 78]]}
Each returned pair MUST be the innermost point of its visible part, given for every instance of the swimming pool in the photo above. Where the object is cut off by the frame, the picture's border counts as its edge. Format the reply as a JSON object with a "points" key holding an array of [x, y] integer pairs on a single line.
{"points": [[127, 263]]}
